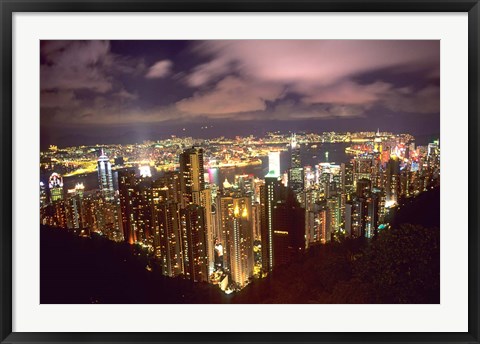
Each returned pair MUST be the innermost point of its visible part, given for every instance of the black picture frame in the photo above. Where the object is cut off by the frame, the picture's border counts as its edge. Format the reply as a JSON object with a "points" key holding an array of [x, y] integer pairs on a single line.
{"points": [[8, 7]]}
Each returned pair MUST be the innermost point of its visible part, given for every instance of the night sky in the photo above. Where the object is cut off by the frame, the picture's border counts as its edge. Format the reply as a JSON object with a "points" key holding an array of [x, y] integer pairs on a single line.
{"points": [[130, 91]]}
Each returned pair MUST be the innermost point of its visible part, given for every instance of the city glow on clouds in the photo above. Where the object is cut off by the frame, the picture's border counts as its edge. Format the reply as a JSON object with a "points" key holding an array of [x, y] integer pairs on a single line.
{"points": [[96, 82], [159, 69]]}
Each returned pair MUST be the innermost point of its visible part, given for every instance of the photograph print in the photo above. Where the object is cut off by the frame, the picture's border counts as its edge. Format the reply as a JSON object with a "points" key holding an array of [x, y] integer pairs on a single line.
{"points": [[240, 172]]}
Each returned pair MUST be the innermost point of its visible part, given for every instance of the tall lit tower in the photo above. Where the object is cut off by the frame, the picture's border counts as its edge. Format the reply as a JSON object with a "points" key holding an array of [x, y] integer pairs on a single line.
{"points": [[393, 180], [269, 195], [195, 256], [295, 153], [241, 243], [127, 190], [295, 173], [43, 194], [105, 178], [167, 234], [378, 142], [237, 234], [74, 207], [194, 192], [192, 175], [274, 163], [55, 184]]}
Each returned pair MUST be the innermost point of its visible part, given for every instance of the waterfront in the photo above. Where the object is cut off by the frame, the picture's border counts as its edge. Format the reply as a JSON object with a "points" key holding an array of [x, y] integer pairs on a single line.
{"points": [[310, 156]]}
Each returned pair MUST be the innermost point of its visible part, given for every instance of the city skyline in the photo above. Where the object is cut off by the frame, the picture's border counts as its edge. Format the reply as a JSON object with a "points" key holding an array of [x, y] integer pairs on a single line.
{"points": [[232, 232], [130, 91], [244, 171]]}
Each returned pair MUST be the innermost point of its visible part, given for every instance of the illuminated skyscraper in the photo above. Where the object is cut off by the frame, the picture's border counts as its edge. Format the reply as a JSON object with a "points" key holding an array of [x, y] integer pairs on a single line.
{"points": [[378, 142], [167, 238], [296, 179], [333, 217], [170, 181], [295, 159], [238, 238], [105, 178], [246, 185], [226, 227], [74, 207], [127, 187], [193, 231], [192, 175], [256, 221], [142, 208], [322, 222], [60, 216], [194, 192], [363, 187], [206, 204], [269, 195], [362, 167], [241, 253], [274, 163], [374, 210], [355, 217], [43, 195], [393, 181], [55, 184]]}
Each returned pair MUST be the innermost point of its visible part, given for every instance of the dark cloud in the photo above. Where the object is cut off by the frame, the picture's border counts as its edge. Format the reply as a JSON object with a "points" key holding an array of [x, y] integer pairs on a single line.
{"points": [[91, 83]]}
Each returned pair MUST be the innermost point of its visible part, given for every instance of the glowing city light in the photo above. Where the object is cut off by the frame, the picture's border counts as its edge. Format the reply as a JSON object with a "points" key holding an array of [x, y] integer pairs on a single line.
{"points": [[145, 171]]}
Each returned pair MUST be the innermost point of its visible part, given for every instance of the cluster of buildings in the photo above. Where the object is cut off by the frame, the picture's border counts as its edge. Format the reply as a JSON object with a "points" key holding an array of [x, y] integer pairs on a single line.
{"points": [[227, 234]]}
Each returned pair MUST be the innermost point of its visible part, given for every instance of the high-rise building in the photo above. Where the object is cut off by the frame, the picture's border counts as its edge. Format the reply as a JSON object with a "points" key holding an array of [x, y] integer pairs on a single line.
{"points": [[194, 192], [170, 182], [348, 223], [371, 221], [333, 217], [240, 242], [296, 181], [288, 230], [362, 167], [246, 185], [193, 232], [105, 177], [256, 221], [363, 187], [269, 195], [43, 194], [393, 185], [55, 185], [378, 196], [142, 209], [74, 209], [127, 189], [166, 233], [60, 215], [74, 212], [113, 222], [356, 213], [295, 157], [226, 225], [274, 164], [378, 142], [192, 175], [206, 204]]}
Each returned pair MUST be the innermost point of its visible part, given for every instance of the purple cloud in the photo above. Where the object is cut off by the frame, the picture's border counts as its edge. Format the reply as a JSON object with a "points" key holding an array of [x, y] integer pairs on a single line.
{"points": [[84, 81], [230, 96], [159, 70]]}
